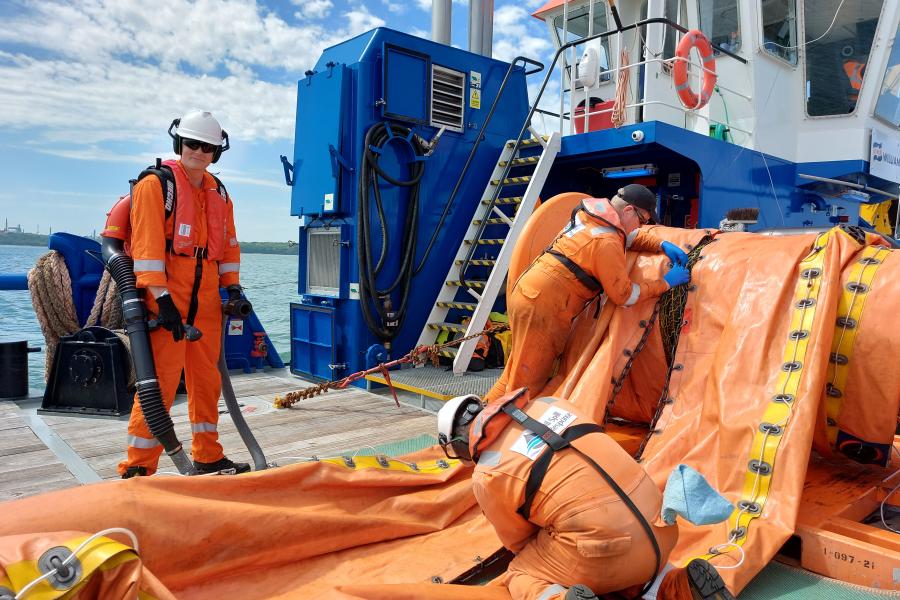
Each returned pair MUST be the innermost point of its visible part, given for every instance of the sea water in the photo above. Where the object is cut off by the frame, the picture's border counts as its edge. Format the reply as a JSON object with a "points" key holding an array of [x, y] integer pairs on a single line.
{"points": [[269, 280]]}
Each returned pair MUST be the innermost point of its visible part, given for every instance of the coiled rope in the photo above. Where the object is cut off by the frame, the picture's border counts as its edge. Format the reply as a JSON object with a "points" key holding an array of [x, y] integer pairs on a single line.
{"points": [[51, 296]]}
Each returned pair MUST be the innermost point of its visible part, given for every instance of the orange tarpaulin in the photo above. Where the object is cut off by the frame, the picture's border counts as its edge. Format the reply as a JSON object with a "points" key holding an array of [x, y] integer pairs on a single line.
{"points": [[744, 405]]}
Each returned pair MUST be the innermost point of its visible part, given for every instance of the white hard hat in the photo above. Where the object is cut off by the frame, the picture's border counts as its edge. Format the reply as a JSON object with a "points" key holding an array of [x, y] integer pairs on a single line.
{"points": [[200, 125], [448, 417]]}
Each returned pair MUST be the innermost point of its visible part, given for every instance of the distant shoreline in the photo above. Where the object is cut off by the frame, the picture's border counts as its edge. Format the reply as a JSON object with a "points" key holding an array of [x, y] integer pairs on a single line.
{"points": [[11, 238]]}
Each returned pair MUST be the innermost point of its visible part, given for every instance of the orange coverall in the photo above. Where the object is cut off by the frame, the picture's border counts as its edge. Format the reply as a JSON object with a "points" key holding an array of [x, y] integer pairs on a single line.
{"points": [[548, 295], [579, 531], [149, 231]]}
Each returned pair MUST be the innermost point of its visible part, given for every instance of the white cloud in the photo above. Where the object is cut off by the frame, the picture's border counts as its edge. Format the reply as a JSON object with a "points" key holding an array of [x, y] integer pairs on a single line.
{"points": [[314, 9]]}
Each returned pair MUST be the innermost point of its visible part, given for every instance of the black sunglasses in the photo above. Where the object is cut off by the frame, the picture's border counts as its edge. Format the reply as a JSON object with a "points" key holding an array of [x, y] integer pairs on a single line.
{"points": [[198, 145]]}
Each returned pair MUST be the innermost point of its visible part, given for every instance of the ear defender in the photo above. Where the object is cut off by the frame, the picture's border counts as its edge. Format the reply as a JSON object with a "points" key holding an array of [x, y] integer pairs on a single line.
{"points": [[176, 139], [225, 146]]}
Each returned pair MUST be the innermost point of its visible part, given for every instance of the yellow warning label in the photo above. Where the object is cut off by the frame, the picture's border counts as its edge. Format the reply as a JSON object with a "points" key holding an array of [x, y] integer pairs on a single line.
{"points": [[474, 98]]}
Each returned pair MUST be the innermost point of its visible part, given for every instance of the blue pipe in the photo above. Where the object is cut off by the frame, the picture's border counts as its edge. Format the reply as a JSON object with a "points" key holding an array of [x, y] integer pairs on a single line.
{"points": [[8, 281]]}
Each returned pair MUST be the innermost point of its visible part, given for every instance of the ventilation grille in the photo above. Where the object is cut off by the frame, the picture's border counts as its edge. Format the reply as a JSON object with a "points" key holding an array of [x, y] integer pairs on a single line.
{"points": [[323, 262], [447, 98]]}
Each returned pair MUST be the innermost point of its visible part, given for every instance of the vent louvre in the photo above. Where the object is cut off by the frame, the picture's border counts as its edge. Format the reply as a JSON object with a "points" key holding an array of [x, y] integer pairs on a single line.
{"points": [[447, 98], [323, 262]]}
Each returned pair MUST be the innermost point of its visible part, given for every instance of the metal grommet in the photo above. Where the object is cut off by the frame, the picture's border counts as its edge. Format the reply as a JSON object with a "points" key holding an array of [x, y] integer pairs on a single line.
{"points": [[443, 463], [792, 366], [770, 428], [65, 577], [437, 579], [737, 533], [799, 334], [783, 398], [627, 352], [751, 507], [382, 461], [348, 461], [806, 302], [677, 367], [838, 358], [810, 273], [830, 421], [760, 467], [693, 286], [643, 324], [869, 260], [846, 322], [413, 466], [859, 288], [833, 391], [669, 400], [714, 550]]}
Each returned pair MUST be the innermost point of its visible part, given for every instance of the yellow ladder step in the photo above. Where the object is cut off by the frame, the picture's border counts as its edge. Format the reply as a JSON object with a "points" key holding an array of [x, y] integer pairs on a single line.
{"points": [[469, 306], [494, 221], [507, 200], [451, 327], [527, 143], [486, 242], [512, 180], [472, 283], [521, 162], [481, 262]]}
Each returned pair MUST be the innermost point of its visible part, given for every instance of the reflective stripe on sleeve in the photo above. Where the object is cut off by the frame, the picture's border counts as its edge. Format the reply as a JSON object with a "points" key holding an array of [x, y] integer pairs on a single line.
{"points": [[629, 239], [140, 442], [602, 230], [203, 428], [229, 268], [551, 591], [635, 295], [150, 265]]}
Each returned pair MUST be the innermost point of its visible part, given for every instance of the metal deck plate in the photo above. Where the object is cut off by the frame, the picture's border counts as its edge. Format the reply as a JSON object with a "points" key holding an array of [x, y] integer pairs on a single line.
{"points": [[438, 382]]}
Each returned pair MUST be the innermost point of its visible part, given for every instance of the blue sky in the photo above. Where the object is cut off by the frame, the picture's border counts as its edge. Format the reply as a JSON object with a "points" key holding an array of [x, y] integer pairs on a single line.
{"points": [[88, 89]]}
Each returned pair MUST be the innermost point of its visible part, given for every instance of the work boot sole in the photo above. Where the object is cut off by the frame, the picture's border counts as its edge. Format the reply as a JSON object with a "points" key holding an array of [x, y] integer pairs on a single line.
{"points": [[705, 582]]}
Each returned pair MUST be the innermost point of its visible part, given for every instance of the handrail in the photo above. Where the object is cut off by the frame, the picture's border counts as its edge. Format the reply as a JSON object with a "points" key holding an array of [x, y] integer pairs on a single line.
{"points": [[538, 68]]}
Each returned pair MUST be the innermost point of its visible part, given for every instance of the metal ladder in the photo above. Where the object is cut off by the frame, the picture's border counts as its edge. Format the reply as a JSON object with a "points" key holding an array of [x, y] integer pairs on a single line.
{"points": [[495, 209]]}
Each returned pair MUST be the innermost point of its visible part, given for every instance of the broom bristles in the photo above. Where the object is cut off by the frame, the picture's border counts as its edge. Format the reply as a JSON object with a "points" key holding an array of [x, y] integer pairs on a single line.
{"points": [[748, 215]]}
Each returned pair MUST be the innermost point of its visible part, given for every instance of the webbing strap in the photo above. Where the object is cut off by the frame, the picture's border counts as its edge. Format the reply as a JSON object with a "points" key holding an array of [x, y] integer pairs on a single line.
{"points": [[587, 280], [192, 308]]}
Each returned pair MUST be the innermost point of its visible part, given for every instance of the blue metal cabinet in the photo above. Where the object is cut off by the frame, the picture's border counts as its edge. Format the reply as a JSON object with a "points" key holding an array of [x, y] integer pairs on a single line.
{"points": [[312, 340]]}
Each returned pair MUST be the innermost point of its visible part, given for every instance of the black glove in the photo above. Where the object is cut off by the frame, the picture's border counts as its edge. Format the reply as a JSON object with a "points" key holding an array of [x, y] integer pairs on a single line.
{"points": [[169, 317]]}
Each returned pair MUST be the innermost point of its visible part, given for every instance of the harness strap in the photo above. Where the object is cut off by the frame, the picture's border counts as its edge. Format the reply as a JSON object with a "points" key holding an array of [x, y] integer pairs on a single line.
{"points": [[192, 308], [539, 469], [583, 277]]}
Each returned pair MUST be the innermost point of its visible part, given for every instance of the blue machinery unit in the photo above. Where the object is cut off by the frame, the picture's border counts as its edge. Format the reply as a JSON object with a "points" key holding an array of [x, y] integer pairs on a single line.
{"points": [[406, 90], [388, 79]]}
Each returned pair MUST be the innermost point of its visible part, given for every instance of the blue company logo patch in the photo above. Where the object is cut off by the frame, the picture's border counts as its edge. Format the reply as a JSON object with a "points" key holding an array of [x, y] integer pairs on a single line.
{"points": [[879, 154]]}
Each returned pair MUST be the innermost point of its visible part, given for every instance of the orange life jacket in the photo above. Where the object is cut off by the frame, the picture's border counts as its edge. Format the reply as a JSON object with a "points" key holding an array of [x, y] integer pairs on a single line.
{"points": [[491, 421], [181, 217], [855, 71]]}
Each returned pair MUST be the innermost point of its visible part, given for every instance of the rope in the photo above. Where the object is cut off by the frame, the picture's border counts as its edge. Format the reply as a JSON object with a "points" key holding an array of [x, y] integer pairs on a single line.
{"points": [[51, 296], [417, 356], [619, 106]]}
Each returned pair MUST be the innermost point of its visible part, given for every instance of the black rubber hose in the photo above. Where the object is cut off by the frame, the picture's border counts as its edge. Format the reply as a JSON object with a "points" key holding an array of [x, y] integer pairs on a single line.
{"points": [[121, 267], [367, 190]]}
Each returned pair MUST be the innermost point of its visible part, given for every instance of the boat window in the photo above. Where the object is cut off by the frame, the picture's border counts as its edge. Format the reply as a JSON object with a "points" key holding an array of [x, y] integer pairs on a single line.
{"points": [[720, 21], [888, 106], [579, 27], [675, 10], [838, 39], [779, 18]]}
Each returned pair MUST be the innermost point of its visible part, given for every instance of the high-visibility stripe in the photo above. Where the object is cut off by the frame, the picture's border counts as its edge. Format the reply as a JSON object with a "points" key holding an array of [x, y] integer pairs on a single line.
{"points": [[140, 442], [229, 268], [776, 418], [150, 265], [629, 239], [600, 230], [850, 308], [635, 295], [203, 428], [551, 591]]}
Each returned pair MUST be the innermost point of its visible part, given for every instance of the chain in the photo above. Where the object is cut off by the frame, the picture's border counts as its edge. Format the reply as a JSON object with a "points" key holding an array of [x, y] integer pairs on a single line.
{"points": [[632, 355], [417, 356]]}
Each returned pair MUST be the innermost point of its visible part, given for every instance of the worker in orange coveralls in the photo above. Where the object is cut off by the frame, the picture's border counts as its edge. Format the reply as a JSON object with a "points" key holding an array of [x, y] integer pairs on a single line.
{"points": [[579, 512], [182, 255], [586, 259]]}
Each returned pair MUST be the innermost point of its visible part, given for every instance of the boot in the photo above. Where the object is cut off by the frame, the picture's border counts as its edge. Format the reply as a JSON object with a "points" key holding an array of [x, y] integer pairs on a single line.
{"points": [[705, 582], [579, 591], [223, 464], [134, 472]]}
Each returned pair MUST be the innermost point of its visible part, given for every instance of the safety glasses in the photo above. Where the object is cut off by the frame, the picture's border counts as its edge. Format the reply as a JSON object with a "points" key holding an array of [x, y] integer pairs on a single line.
{"points": [[643, 217], [198, 145]]}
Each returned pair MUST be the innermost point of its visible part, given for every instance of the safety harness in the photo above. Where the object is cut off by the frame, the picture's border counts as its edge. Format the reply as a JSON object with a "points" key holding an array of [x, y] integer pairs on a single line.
{"points": [[170, 198], [556, 442]]}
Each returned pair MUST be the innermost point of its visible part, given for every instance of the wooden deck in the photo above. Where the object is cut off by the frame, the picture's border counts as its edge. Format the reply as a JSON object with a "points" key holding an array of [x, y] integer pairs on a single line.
{"points": [[42, 452]]}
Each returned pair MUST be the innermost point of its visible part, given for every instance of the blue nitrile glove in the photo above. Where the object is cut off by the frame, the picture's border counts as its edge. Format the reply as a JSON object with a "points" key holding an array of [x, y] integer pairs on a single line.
{"points": [[689, 495], [676, 276], [675, 254]]}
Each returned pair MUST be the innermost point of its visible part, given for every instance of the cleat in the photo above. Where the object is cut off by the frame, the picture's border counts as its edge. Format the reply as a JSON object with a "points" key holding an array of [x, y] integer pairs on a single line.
{"points": [[580, 591], [223, 465], [705, 582]]}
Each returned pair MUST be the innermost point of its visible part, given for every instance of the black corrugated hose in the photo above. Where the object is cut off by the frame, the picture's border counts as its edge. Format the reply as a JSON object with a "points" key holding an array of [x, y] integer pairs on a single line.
{"points": [[368, 187]]}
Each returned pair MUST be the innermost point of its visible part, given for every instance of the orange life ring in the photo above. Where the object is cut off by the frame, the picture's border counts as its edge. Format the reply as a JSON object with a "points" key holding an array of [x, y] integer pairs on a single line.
{"points": [[694, 39]]}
